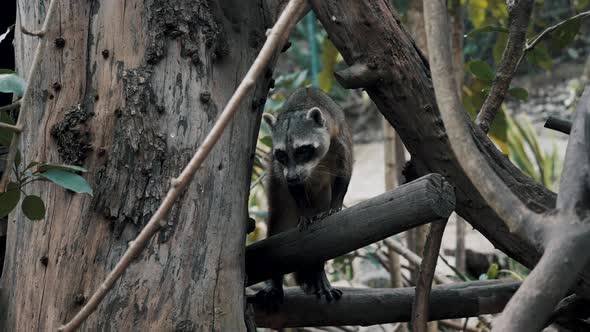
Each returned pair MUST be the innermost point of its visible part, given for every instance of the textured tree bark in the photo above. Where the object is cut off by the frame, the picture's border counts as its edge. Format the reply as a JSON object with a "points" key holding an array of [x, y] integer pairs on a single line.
{"points": [[130, 96], [372, 306], [370, 32]]}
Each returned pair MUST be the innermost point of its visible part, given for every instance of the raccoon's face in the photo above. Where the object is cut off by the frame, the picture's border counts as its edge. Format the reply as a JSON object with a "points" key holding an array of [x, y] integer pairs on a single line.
{"points": [[300, 141]]}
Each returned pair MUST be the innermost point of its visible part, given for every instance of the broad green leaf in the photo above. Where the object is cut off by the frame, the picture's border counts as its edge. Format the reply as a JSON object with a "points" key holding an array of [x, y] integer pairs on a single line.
{"points": [[67, 168], [499, 131], [17, 158], [539, 56], [581, 4], [3, 36], [33, 207], [9, 199], [68, 180], [266, 140], [329, 57], [486, 28], [477, 11], [12, 83], [492, 271], [481, 70], [7, 71], [499, 47], [565, 33], [519, 93]]}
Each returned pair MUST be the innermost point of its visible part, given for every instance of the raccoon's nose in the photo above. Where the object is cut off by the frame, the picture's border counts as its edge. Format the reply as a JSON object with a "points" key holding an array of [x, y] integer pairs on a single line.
{"points": [[293, 179]]}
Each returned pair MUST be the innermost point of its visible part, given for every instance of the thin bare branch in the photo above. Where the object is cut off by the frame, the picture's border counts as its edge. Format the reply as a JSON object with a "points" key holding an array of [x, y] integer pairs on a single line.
{"points": [[39, 33], [14, 128], [519, 14], [10, 107], [559, 124], [24, 102], [414, 259], [424, 282], [456, 121], [552, 28], [272, 46]]}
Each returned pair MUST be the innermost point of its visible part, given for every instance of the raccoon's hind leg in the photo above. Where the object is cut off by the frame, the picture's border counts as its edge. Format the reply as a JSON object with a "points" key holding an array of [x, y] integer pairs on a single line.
{"points": [[314, 281]]}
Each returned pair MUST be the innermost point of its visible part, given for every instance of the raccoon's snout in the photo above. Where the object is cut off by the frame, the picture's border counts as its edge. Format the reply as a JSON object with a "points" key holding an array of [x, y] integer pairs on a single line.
{"points": [[293, 179]]}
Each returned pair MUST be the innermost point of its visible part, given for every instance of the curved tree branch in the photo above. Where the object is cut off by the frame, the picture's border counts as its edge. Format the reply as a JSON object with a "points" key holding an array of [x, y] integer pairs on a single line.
{"points": [[420, 308], [519, 14], [271, 47], [495, 192]]}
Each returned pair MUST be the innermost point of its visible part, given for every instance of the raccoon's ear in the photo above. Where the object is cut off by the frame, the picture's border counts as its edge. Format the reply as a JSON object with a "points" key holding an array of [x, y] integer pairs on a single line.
{"points": [[316, 115], [269, 119]]}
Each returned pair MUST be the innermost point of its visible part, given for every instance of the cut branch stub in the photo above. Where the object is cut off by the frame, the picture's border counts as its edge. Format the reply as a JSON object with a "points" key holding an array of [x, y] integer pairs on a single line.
{"points": [[419, 202], [361, 75], [559, 124], [379, 306]]}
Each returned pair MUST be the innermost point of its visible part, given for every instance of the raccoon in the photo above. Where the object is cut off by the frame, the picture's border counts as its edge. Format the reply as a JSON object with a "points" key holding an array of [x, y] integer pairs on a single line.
{"points": [[307, 177]]}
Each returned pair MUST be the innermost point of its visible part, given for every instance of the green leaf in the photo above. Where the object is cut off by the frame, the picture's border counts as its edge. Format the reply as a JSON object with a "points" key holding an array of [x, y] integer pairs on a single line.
{"points": [[33, 207], [266, 140], [481, 70], [67, 168], [539, 56], [477, 12], [68, 180], [565, 33], [9, 199], [486, 28], [499, 47], [519, 93], [499, 131], [7, 71], [492, 271], [328, 58], [12, 83], [17, 158]]}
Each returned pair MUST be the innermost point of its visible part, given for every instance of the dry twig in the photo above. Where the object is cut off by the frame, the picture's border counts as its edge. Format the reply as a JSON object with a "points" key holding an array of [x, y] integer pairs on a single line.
{"points": [[419, 320], [519, 15], [24, 102], [272, 46]]}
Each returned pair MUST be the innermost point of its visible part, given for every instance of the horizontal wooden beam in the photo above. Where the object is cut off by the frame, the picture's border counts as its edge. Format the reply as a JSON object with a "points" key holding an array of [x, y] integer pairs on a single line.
{"points": [[370, 306], [419, 202]]}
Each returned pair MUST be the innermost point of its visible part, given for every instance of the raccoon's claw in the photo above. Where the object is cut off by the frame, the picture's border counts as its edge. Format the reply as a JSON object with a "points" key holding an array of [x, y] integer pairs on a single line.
{"points": [[304, 223], [270, 298], [324, 214], [322, 288]]}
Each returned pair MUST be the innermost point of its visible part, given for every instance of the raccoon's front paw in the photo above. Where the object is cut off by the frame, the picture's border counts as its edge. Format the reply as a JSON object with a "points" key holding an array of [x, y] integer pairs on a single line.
{"points": [[270, 298], [325, 214], [322, 288], [304, 223]]}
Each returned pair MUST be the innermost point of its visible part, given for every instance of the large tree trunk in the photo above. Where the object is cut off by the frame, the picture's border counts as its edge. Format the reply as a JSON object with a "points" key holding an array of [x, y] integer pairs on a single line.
{"points": [[141, 82]]}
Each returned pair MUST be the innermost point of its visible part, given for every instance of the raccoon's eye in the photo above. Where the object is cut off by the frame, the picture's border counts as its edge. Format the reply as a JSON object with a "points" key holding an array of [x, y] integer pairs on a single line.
{"points": [[281, 156], [304, 153]]}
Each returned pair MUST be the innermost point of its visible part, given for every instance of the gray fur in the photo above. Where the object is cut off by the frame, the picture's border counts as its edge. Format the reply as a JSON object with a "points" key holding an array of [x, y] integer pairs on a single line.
{"points": [[311, 117]]}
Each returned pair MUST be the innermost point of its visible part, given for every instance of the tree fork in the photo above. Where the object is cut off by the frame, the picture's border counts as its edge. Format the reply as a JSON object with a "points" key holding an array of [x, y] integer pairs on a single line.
{"points": [[372, 306], [419, 202]]}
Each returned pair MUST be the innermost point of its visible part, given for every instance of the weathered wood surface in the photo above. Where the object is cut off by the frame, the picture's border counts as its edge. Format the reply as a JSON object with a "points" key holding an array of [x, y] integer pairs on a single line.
{"points": [[369, 306], [424, 200], [138, 86]]}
